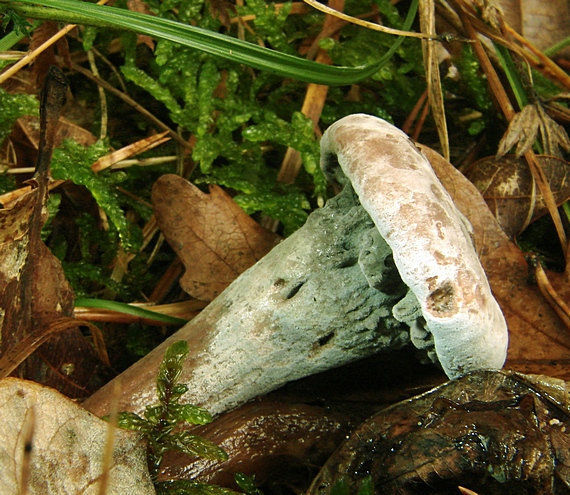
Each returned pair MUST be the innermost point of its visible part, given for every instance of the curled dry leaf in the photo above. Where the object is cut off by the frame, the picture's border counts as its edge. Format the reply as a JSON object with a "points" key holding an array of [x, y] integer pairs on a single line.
{"points": [[523, 132], [538, 340], [66, 444], [510, 191], [215, 239]]}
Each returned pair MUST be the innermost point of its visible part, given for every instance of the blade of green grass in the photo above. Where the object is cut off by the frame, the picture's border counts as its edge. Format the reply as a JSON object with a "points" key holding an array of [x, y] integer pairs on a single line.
{"points": [[13, 37], [512, 75], [211, 42], [129, 310]]}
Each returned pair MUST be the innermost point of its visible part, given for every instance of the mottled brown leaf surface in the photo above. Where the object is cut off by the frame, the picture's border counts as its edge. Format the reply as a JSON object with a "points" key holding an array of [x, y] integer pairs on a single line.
{"points": [[215, 239], [512, 196], [538, 341], [67, 446]]}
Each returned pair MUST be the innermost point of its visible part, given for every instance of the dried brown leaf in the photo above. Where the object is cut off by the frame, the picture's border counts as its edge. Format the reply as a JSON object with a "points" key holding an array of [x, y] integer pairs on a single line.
{"points": [[523, 132], [539, 342], [67, 362], [28, 131], [510, 191], [554, 136], [544, 23], [33, 289], [215, 239]]}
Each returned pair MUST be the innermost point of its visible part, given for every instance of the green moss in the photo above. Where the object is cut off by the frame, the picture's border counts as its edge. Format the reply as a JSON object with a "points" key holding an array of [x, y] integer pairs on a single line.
{"points": [[72, 161], [161, 419], [13, 107]]}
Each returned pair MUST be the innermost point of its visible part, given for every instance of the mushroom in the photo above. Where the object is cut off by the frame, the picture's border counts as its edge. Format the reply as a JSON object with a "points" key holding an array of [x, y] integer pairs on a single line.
{"points": [[429, 237], [330, 293]]}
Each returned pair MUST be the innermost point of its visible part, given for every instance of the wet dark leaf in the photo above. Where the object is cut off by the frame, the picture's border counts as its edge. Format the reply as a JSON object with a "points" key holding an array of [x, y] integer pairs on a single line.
{"points": [[492, 431], [278, 442]]}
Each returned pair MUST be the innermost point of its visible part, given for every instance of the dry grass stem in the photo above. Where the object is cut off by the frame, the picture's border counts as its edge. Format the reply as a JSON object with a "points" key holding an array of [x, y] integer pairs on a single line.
{"points": [[23, 349], [363, 23], [509, 113]]}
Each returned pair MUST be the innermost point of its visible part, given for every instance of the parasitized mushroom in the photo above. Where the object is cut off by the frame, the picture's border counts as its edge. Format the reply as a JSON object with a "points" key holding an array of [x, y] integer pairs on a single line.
{"points": [[391, 249], [430, 240]]}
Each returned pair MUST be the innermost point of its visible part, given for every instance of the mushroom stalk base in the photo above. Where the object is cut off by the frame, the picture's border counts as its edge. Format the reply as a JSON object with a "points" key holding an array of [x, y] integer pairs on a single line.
{"points": [[321, 298]]}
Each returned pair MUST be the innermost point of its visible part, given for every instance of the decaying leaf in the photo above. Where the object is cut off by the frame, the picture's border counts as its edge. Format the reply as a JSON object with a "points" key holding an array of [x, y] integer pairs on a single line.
{"points": [[556, 290], [510, 191], [524, 128], [490, 430], [27, 133], [34, 291], [215, 239], [541, 23], [57, 446], [538, 340]]}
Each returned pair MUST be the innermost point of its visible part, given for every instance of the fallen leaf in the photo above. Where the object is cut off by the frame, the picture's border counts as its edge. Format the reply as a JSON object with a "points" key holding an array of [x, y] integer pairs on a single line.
{"points": [[34, 293], [541, 23], [215, 239], [510, 191], [433, 442], [538, 340], [28, 132], [66, 444]]}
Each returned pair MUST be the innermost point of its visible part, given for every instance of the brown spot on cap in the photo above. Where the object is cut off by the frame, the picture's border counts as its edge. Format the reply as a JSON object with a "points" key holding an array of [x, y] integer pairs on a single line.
{"points": [[442, 299]]}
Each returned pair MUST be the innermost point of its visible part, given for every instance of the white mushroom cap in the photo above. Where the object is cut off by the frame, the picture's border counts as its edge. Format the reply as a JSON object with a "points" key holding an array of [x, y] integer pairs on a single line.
{"points": [[429, 237]]}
